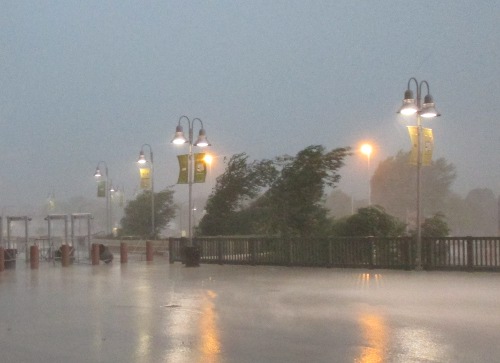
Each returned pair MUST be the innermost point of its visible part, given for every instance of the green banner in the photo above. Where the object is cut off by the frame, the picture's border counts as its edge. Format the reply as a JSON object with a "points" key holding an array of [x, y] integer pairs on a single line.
{"points": [[200, 168], [183, 169], [101, 189]]}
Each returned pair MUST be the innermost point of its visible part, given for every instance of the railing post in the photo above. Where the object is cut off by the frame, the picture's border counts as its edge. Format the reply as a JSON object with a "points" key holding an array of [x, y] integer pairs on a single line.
{"points": [[371, 243], [470, 253], [407, 255], [171, 250], [2, 259], [95, 254], [220, 254], [330, 253], [65, 255], [253, 251], [123, 252], [149, 251], [34, 257]]}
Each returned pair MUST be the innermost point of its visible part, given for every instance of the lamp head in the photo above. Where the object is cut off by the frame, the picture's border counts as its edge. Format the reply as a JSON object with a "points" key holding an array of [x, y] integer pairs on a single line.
{"points": [[179, 137], [142, 158], [202, 139], [97, 173], [428, 108], [409, 106]]}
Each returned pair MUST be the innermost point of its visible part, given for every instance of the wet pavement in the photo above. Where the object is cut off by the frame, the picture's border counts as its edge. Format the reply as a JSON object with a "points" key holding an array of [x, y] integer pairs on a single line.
{"points": [[157, 312]]}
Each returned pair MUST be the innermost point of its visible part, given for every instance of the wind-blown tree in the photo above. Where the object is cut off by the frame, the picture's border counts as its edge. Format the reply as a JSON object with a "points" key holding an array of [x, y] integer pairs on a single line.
{"points": [[137, 218], [291, 203], [294, 202], [394, 185], [241, 182]]}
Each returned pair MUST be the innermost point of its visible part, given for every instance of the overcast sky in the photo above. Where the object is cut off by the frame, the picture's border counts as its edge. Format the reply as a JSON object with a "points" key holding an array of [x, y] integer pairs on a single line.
{"points": [[84, 81]]}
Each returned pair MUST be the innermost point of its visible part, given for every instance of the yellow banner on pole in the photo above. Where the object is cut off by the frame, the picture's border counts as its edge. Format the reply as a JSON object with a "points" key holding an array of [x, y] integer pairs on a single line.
{"points": [[183, 169], [145, 178], [427, 145], [200, 168]]}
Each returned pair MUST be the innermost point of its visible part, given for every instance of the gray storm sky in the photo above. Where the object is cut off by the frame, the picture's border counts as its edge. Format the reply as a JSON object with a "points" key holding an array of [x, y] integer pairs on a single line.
{"points": [[84, 81]]}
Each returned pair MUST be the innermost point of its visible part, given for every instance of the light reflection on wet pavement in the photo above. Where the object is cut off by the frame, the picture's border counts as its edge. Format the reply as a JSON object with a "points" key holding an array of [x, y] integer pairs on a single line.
{"points": [[156, 312]]}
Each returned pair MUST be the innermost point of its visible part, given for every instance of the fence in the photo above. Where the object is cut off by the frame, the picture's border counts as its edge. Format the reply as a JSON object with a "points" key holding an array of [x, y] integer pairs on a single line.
{"points": [[447, 253]]}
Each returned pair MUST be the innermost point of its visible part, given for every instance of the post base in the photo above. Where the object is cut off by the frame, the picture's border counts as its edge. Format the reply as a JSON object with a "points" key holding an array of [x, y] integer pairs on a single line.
{"points": [[192, 256]]}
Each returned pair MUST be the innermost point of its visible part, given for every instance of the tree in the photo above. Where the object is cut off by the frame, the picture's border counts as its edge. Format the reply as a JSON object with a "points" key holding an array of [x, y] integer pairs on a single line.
{"points": [[394, 185], [370, 221], [137, 218], [280, 196], [435, 226], [240, 183], [293, 204]]}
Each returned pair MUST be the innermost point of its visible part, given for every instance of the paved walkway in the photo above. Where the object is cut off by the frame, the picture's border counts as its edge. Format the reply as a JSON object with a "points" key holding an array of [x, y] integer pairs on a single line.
{"points": [[156, 312]]}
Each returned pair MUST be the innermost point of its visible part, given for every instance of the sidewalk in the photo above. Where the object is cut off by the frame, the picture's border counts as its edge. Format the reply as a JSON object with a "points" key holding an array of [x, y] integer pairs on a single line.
{"points": [[157, 312]]}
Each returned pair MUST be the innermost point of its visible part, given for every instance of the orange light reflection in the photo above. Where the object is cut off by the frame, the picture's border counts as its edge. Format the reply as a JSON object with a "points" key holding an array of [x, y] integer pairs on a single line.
{"points": [[375, 335], [210, 346]]}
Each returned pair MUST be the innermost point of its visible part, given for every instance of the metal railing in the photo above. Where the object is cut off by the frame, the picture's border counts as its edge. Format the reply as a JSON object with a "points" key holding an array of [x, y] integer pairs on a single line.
{"points": [[444, 253]]}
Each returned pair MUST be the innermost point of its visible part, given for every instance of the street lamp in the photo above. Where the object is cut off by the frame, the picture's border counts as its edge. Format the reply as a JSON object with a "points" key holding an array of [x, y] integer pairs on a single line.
{"points": [[142, 160], [201, 141], [98, 176], [412, 106], [367, 150]]}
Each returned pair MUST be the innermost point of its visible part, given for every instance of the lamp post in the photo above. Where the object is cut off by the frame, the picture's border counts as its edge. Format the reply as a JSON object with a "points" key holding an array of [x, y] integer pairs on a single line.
{"points": [[111, 191], [142, 160], [367, 150], [98, 176], [201, 141], [427, 109]]}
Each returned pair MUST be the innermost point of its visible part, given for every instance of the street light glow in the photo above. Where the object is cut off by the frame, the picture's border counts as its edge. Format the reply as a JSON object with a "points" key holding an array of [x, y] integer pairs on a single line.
{"points": [[366, 149], [208, 158]]}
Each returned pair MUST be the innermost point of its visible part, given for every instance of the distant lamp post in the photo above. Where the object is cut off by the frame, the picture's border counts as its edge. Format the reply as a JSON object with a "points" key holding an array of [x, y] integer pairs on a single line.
{"points": [[142, 161], [412, 106], [103, 189], [201, 141], [367, 149], [112, 191]]}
